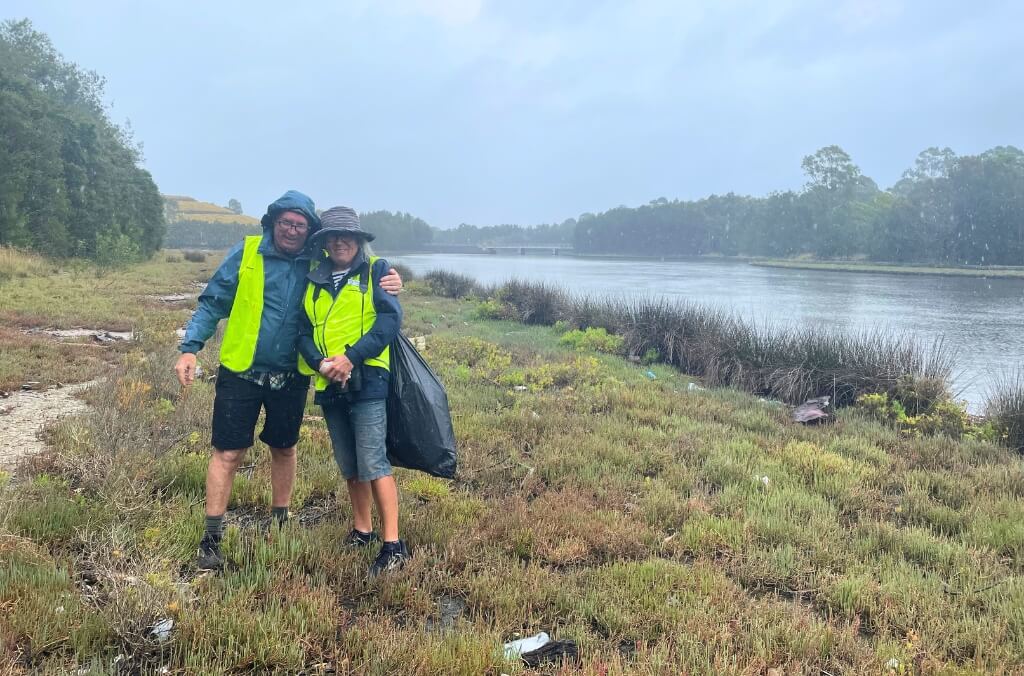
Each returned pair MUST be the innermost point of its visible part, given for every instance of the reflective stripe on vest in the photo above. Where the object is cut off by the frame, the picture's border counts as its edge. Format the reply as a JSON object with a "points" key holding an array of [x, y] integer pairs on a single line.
{"points": [[238, 348], [340, 321]]}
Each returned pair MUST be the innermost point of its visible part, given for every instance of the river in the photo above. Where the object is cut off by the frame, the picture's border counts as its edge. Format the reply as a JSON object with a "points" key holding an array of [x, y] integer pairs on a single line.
{"points": [[981, 319]]}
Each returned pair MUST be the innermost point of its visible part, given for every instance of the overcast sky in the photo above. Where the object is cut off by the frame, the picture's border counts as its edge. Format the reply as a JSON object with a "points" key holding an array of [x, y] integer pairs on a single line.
{"points": [[529, 111]]}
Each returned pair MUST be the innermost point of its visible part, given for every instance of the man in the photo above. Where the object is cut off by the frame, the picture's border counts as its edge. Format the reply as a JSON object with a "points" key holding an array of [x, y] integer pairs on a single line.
{"points": [[259, 288]]}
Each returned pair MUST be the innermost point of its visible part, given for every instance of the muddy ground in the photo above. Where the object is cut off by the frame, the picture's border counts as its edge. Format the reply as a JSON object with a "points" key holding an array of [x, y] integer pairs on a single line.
{"points": [[25, 413]]}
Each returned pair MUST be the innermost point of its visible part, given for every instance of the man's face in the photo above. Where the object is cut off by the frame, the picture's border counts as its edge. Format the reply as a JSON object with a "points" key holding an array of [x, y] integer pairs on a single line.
{"points": [[290, 230]]}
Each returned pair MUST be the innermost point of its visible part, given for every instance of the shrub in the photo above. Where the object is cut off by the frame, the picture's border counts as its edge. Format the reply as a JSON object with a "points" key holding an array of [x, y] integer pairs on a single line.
{"points": [[492, 309], [195, 256], [1004, 405], [598, 340], [452, 284], [651, 356], [115, 249], [534, 303], [173, 258], [943, 416], [404, 271]]}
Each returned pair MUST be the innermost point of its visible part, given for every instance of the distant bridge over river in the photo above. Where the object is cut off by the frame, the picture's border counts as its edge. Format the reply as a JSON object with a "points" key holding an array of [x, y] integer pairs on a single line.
{"points": [[505, 250]]}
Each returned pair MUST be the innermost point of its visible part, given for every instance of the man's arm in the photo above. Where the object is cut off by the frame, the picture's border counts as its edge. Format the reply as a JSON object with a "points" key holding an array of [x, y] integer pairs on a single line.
{"points": [[214, 304], [306, 345], [392, 282]]}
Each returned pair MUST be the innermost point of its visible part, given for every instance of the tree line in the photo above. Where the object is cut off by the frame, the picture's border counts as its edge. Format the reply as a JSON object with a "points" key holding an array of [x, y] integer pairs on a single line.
{"points": [[946, 209], [70, 180]]}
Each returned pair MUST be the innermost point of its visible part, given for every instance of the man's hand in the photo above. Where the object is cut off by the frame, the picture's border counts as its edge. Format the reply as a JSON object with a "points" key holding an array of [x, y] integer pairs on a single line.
{"points": [[337, 368], [392, 282], [185, 368]]}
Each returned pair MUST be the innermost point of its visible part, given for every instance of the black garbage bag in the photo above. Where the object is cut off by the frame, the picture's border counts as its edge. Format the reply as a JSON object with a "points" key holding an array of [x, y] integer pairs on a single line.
{"points": [[420, 434]]}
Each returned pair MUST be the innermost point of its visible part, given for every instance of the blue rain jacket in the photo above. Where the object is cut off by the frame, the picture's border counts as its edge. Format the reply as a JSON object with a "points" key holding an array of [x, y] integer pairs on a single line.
{"points": [[283, 287]]}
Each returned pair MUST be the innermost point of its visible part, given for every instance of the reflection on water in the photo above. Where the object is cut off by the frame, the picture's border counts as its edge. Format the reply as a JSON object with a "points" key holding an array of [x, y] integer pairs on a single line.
{"points": [[980, 318]]}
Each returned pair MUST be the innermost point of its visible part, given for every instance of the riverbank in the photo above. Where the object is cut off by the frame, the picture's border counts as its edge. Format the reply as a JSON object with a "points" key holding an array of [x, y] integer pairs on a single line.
{"points": [[661, 527], [1000, 272]]}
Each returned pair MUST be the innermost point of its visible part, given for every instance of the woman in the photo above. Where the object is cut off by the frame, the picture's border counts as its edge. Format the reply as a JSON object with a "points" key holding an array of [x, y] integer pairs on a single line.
{"points": [[350, 321]]}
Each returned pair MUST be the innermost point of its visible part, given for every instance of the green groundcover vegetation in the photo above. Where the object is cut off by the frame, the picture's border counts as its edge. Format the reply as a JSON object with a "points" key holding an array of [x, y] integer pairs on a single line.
{"points": [[663, 528]]}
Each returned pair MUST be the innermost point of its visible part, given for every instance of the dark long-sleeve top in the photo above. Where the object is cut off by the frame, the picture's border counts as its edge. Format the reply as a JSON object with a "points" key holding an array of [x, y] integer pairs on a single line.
{"points": [[384, 330]]}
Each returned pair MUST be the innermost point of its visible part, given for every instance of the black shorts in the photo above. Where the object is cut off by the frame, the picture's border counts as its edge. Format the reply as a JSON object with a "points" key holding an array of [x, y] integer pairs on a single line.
{"points": [[236, 408]]}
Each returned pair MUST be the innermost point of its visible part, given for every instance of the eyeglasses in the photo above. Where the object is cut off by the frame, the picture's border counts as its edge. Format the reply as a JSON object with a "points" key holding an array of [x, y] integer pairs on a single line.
{"points": [[294, 226]]}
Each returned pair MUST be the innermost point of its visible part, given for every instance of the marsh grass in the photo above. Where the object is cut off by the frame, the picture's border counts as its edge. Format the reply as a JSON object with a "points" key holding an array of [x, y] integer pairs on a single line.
{"points": [[15, 263], [664, 530], [791, 364], [1004, 406]]}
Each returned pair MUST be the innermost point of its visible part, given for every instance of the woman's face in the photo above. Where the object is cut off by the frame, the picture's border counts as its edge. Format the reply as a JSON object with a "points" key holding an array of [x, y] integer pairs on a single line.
{"points": [[342, 249]]}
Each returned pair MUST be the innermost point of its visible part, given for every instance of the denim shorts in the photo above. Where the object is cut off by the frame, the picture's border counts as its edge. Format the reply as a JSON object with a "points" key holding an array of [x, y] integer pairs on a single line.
{"points": [[358, 430]]}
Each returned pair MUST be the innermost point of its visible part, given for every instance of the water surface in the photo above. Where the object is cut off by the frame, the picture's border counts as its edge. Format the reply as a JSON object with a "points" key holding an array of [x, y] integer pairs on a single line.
{"points": [[982, 319]]}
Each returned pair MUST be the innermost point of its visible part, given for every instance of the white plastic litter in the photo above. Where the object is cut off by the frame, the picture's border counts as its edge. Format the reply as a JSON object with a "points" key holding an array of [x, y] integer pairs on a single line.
{"points": [[525, 645], [162, 629], [694, 387]]}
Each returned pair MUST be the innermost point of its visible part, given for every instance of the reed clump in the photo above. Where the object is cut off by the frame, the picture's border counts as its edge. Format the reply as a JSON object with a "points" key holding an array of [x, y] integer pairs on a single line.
{"points": [[1004, 407]]}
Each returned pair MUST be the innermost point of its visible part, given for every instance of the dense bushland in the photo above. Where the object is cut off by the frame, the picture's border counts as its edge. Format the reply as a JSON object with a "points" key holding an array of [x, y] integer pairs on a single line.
{"points": [[71, 183]]}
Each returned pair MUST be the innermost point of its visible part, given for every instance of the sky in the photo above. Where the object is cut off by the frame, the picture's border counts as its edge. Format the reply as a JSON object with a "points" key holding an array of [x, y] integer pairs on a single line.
{"points": [[532, 111]]}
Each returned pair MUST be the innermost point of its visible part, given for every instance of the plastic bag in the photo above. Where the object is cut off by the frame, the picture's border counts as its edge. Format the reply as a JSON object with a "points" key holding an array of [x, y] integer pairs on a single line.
{"points": [[420, 434]]}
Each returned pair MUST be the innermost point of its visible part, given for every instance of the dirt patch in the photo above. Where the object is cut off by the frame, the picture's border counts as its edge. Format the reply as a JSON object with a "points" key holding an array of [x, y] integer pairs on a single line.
{"points": [[99, 335], [24, 414], [174, 297]]}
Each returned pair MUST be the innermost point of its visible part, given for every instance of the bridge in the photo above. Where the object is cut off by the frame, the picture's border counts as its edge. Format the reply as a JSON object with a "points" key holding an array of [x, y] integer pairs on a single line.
{"points": [[505, 250]]}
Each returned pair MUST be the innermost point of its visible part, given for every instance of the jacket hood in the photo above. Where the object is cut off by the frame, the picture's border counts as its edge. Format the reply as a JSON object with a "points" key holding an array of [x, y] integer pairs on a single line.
{"points": [[293, 200]]}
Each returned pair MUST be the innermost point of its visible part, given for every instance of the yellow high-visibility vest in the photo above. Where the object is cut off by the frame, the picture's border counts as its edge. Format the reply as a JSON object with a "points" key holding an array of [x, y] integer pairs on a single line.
{"points": [[238, 348], [341, 320]]}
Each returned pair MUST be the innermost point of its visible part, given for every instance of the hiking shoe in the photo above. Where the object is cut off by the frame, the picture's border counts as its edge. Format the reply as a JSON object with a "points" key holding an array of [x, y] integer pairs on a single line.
{"points": [[208, 557], [359, 539], [392, 556]]}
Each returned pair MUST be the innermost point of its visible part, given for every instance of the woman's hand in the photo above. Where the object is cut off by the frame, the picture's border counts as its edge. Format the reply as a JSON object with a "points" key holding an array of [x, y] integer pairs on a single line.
{"points": [[392, 282], [337, 369]]}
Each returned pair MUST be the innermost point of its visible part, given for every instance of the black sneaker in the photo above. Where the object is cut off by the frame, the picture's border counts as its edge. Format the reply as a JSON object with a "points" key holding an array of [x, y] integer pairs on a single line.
{"points": [[208, 557], [358, 538], [392, 556]]}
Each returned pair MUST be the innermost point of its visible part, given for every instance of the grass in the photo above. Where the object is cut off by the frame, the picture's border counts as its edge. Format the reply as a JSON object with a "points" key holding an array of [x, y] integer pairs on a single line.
{"points": [[894, 269], [664, 530], [38, 293]]}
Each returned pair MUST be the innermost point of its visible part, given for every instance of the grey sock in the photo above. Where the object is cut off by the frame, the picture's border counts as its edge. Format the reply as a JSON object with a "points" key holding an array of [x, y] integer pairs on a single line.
{"points": [[215, 526], [279, 514]]}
